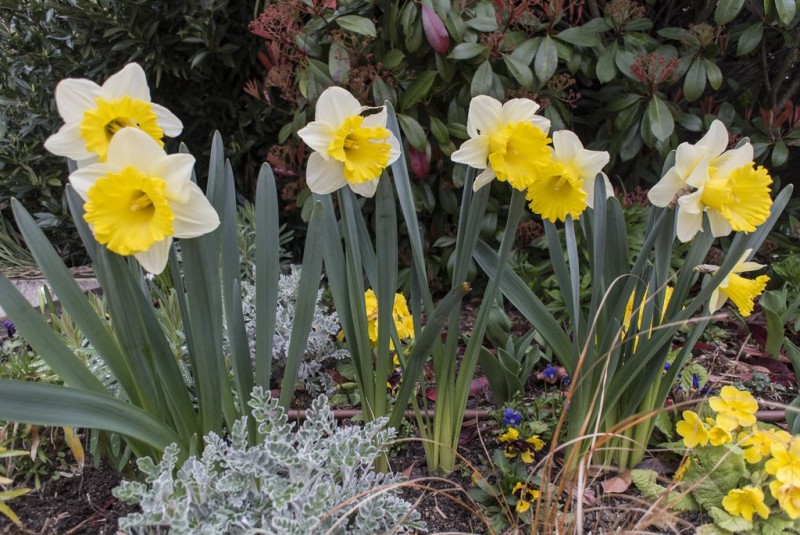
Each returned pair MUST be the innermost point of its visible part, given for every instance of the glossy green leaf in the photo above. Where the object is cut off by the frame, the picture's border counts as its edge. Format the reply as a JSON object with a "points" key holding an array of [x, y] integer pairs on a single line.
{"points": [[750, 39], [606, 67], [354, 23], [661, 122], [467, 51], [786, 10], [727, 10], [417, 90], [780, 153], [413, 131], [483, 24], [695, 82], [339, 63], [521, 72], [482, 80], [268, 270], [579, 36], [713, 73], [526, 51], [546, 60]]}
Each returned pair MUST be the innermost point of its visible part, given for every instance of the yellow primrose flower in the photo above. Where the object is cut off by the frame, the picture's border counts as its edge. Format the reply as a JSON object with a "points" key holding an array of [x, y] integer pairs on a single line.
{"points": [[140, 198], [694, 163], [718, 436], [746, 501], [741, 291], [93, 115], [566, 186], [403, 321], [785, 462], [756, 445], [681, 471], [734, 408], [788, 497], [350, 148], [525, 496], [508, 141], [692, 429]]}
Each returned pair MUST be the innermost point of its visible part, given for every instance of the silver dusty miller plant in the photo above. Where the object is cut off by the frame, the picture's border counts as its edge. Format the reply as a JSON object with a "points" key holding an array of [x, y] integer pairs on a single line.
{"points": [[317, 479], [321, 344]]}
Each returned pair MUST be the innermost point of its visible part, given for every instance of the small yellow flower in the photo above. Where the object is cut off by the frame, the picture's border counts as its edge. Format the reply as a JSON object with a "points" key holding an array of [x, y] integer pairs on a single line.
{"points": [[718, 436], [93, 115], [746, 501], [349, 149], [741, 291], [734, 408], [513, 445], [508, 141], [140, 198], [681, 471], [788, 497], [525, 496], [742, 198], [692, 429], [785, 462], [756, 444], [403, 320]]}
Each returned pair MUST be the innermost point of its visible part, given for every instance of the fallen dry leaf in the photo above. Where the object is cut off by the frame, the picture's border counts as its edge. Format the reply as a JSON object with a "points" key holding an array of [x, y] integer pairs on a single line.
{"points": [[617, 484]]}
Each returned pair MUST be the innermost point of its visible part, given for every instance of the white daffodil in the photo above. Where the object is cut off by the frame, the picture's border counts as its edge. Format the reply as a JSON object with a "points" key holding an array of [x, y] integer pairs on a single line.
{"points": [[695, 163], [140, 198], [351, 144], [93, 114], [507, 140], [738, 289], [566, 186]]}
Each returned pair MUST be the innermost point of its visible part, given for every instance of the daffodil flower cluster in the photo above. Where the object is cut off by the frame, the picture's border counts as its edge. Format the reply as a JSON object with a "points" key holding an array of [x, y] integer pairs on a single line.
{"points": [[514, 446], [707, 178], [771, 452], [138, 198], [740, 290], [509, 142]]}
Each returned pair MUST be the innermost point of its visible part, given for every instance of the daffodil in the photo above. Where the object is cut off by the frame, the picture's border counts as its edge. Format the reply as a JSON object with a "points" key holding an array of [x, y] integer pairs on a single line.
{"points": [[403, 321], [93, 115], [526, 495], [692, 429], [566, 186], [140, 198], [693, 164], [788, 497], [351, 144], [738, 289], [785, 462], [734, 408], [508, 141], [745, 502], [735, 199]]}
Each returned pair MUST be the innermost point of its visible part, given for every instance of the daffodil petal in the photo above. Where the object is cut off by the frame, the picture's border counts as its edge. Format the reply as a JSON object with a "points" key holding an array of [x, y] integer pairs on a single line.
{"points": [[484, 115], [397, 151], [591, 162], [519, 109], [130, 81], [716, 139], [84, 178], [716, 301], [74, 96], [68, 142], [376, 119], [733, 159], [323, 176], [743, 267], [588, 187], [169, 123], [688, 224], [194, 217], [664, 191], [334, 105], [700, 174], [176, 170], [131, 146], [484, 178], [719, 225], [318, 135], [473, 152], [154, 260], [365, 189]]}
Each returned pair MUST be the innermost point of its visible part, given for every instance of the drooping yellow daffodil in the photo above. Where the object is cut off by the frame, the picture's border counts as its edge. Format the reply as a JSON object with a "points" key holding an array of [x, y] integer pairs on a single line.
{"points": [[403, 321], [140, 198], [741, 291], [566, 186], [508, 141], [785, 462], [735, 200], [734, 408], [351, 144], [745, 502], [693, 163], [93, 114], [692, 429], [788, 497]]}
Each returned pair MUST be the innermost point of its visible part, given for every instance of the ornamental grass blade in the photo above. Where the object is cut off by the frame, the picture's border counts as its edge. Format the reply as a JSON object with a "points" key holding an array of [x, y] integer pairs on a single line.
{"points": [[306, 302], [55, 405], [75, 303], [268, 270]]}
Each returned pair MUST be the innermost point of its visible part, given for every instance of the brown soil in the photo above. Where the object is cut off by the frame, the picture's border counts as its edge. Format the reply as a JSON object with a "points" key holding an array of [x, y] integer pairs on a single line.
{"points": [[82, 503]]}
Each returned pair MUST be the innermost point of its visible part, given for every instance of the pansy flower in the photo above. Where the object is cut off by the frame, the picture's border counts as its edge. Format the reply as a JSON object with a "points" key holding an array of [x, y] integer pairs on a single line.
{"points": [[525, 495], [513, 445]]}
